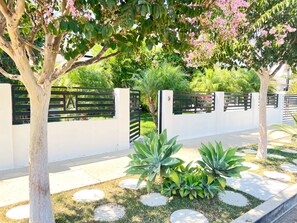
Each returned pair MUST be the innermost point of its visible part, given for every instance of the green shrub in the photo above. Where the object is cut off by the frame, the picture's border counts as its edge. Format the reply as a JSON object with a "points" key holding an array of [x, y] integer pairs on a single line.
{"points": [[217, 163], [193, 183], [152, 158], [207, 178]]}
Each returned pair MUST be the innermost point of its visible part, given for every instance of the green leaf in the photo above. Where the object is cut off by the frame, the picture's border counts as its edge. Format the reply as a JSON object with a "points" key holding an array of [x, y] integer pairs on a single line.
{"points": [[222, 181], [174, 177]]}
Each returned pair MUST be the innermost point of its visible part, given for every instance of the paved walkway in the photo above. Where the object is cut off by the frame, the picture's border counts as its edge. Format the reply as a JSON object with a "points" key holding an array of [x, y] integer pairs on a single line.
{"points": [[81, 172]]}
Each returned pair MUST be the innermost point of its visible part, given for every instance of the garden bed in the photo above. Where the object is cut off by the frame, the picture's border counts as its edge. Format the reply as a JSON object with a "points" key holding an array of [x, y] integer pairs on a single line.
{"points": [[68, 211]]}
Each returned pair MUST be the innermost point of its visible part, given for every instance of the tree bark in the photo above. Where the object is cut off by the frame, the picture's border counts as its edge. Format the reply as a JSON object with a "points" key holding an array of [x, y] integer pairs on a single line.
{"points": [[151, 105], [262, 146], [40, 198]]}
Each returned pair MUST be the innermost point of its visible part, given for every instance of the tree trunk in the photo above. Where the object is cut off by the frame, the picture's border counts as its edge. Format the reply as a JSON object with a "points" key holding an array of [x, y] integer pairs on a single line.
{"points": [[40, 198], [262, 146], [151, 105]]}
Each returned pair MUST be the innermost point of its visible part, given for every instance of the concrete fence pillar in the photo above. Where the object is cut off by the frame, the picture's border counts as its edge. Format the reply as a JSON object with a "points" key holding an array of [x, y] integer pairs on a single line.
{"points": [[255, 109], [165, 111], [219, 111], [280, 106], [122, 114], [6, 140]]}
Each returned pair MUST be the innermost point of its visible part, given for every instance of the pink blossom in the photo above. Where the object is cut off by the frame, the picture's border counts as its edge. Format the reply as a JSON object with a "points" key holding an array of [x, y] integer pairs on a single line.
{"points": [[272, 31], [221, 22], [72, 8], [290, 29], [49, 11], [267, 43], [191, 20], [192, 34], [88, 16], [264, 32], [137, 59], [280, 41]]}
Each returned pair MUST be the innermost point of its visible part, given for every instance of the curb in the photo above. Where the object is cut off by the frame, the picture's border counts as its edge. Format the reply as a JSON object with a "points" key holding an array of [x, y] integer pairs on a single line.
{"points": [[272, 209]]}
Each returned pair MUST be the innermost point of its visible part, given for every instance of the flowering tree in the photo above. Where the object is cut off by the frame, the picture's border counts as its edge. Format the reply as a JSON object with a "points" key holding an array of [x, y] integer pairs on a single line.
{"points": [[33, 33], [260, 36], [269, 42]]}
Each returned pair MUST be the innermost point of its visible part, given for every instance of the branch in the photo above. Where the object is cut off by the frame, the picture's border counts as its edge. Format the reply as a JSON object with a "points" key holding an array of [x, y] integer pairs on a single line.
{"points": [[19, 10], [33, 46], [95, 59], [63, 68], [276, 70], [4, 10], [10, 76], [6, 46]]}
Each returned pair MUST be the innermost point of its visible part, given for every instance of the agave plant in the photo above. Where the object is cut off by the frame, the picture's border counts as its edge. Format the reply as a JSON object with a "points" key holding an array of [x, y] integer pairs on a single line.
{"points": [[217, 163], [153, 158], [287, 129]]}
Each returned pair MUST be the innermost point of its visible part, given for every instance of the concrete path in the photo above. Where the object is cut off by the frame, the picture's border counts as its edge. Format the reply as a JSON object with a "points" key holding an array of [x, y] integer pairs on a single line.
{"points": [[81, 172]]}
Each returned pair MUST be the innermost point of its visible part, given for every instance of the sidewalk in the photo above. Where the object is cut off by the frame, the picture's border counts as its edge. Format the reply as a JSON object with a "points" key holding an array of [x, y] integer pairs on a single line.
{"points": [[70, 174]]}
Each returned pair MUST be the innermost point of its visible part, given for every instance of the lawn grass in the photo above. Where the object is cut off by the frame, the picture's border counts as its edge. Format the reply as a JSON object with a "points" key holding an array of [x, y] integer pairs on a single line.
{"points": [[68, 211], [146, 124], [272, 164]]}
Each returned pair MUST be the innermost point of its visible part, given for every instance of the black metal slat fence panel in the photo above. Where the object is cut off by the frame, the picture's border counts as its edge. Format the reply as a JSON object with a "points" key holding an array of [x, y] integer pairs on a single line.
{"points": [[134, 114], [193, 102], [272, 100], [290, 106], [66, 104], [237, 101]]}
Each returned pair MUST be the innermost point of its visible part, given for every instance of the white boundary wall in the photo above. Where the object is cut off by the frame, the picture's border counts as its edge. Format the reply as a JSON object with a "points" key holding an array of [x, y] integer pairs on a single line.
{"points": [[188, 126], [67, 140]]}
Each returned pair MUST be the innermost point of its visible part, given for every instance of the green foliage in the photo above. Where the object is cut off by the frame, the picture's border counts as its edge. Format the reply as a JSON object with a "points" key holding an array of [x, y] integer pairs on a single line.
{"points": [[217, 163], [273, 17], [152, 158], [218, 79], [193, 183], [163, 77], [90, 76], [293, 88], [288, 129]]}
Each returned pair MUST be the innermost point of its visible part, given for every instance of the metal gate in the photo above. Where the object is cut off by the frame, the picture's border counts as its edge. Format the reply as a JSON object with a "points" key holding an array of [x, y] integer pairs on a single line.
{"points": [[134, 114], [290, 106]]}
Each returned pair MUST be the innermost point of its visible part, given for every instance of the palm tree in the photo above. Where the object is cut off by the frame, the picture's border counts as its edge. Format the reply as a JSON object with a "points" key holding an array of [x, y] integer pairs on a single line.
{"points": [[163, 77]]}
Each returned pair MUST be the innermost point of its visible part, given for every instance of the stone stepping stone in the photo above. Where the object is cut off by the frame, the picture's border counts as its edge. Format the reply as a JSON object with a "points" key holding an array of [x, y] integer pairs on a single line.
{"points": [[295, 161], [276, 156], [289, 167], [250, 151], [252, 166], [258, 186], [240, 154], [131, 184], [233, 198], [153, 199], [109, 212], [19, 212], [277, 175], [289, 151], [187, 216], [88, 195]]}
